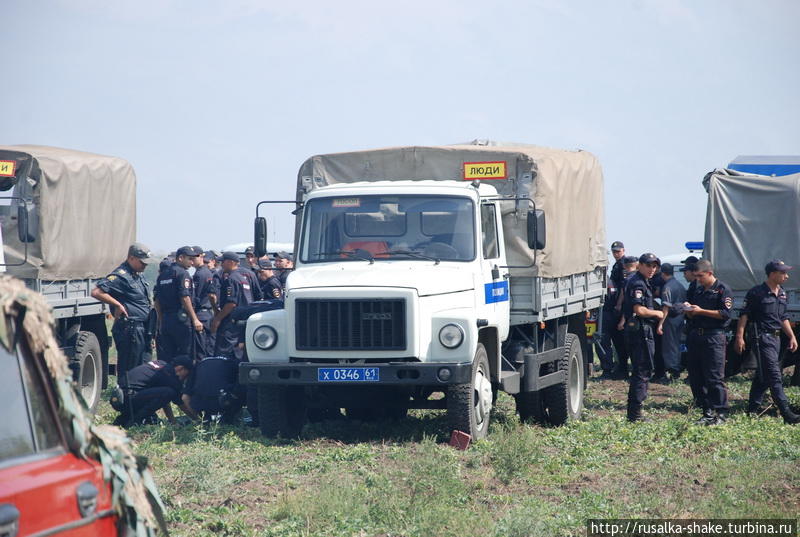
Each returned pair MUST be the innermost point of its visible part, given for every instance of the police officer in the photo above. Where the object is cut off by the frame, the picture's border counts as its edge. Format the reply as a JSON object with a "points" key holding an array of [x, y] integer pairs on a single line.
{"points": [[640, 315], [214, 388], [611, 314], [709, 308], [237, 290], [204, 292], [271, 287], [151, 386], [129, 297], [673, 295], [250, 259], [284, 263], [215, 266], [173, 298], [765, 305]]}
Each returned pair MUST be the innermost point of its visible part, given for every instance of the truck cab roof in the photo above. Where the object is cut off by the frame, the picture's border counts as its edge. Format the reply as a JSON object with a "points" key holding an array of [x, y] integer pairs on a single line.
{"points": [[772, 165]]}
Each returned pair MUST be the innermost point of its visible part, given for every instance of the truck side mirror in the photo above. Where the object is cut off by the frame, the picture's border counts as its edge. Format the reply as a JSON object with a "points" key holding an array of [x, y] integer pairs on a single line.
{"points": [[260, 236], [27, 223], [537, 230]]}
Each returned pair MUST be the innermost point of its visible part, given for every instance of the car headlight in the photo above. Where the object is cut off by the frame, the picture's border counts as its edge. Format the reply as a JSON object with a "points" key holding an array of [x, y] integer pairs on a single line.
{"points": [[451, 336], [265, 337]]}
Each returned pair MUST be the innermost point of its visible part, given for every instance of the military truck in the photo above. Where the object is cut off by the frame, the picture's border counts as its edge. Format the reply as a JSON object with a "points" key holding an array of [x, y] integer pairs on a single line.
{"points": [[750, 220], [427, 271], [67, 219]]}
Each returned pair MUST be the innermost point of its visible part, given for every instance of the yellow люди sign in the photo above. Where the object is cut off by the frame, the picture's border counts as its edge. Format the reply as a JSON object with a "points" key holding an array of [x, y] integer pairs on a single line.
{"points": [[7, 168], [485, 170]]}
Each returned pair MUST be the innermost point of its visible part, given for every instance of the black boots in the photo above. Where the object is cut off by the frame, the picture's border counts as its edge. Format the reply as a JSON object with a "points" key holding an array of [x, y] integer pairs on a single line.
{"points": [[789, 417], [634, 413]]}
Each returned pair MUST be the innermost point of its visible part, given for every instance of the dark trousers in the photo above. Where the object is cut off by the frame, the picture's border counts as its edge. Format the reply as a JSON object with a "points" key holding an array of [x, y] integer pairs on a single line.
{"points": [[658, 358], [769, 373], [706, 365], [620, 343], [604, 350], [203, 341], [227, 338], [145, 403], [131, 343], [176, 336], [671, 343], [642, 348]]}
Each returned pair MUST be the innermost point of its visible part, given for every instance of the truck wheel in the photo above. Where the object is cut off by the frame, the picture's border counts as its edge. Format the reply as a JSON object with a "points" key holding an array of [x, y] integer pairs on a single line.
{"points": [[90, 360], [530, 407], [564, 401], [469, 406], [281, 411]]}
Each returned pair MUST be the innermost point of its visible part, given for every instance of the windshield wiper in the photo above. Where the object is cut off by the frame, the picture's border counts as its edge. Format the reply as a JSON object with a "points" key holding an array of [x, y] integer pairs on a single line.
{"points": [[350, 253], [414, 254]]}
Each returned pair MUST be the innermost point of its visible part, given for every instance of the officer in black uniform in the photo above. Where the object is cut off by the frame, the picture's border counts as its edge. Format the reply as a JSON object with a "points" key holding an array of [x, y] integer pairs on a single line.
{"points": [[129, 297], [271, 287], [214, 389], [251, 262], [237, 290], [215, 266], [204, 292], [152, 386], [173, 299], [709, 309], [640, 317], [611, 315], [765, 305], [284, 262]]}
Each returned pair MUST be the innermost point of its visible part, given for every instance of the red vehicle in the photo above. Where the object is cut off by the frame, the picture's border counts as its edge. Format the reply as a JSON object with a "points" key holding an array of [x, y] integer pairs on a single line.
{"points": [[48, 483]]}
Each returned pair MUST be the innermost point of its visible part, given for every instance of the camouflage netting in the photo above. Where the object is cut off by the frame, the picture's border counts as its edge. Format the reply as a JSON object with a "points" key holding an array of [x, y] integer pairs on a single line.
{"points": [[134, 493]]}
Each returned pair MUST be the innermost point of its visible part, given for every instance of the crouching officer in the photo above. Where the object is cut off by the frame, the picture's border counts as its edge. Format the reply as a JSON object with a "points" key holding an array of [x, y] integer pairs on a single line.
{"points": [[765, 305], [129, 297], [236, 291], [640, 317], [213, 389], [151, 386], [709, 308], [174, 295]]}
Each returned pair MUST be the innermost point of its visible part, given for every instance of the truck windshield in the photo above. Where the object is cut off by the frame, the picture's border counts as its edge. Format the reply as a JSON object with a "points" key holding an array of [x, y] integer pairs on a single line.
{"points": [[380, 228]]}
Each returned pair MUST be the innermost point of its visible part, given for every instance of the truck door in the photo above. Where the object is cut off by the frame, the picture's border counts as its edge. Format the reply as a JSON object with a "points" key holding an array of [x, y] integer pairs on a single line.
{"points": [[497, 296]]}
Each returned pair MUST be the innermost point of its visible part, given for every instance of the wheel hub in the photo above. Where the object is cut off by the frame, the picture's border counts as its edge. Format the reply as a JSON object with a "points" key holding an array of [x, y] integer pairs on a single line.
{"points": [[483, 398]]}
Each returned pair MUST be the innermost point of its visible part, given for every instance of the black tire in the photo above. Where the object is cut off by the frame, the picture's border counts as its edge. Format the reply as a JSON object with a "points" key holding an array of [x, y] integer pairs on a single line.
{"points": [[564, 401], [90, 362], [469, 405], [530, 407], [281, 411]]}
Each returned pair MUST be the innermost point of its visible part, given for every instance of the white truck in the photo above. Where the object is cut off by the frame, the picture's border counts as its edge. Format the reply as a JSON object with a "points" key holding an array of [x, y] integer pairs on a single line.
{"points": [[67, 218], [430, 270]]}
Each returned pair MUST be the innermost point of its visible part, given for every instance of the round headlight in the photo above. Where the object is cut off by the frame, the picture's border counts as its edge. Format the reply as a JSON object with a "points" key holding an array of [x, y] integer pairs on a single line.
{"points": [[451, 336], [265, 337]]}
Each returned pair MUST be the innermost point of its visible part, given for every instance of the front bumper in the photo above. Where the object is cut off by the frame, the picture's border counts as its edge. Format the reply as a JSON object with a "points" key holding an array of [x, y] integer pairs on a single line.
{"points": [[408, 374]]}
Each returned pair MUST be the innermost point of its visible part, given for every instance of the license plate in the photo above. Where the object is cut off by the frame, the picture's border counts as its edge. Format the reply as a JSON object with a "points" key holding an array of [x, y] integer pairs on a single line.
{"points": [[348, 374]]}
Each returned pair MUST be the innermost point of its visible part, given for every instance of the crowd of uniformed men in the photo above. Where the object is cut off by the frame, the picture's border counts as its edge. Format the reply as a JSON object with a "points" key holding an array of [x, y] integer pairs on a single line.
{"points": [[647, 336], [199, 344], [191, 324]]}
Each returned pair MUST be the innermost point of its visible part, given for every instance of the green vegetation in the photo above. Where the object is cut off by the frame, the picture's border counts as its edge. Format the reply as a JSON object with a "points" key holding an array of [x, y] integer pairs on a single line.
{"points": [[346, 478]]}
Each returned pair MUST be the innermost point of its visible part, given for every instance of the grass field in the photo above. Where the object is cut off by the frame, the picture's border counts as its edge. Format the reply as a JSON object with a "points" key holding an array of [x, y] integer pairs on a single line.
{"points": [[400, 479]]}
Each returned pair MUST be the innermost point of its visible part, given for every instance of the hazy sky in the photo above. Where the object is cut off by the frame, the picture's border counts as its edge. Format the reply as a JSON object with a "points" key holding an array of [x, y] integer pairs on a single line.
{"points": [[217, 103]]}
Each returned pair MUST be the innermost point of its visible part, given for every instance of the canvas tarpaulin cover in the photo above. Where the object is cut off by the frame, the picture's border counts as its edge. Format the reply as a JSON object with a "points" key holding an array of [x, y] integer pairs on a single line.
{"points": [[86, 207], [751, 219], [567, 185]]}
